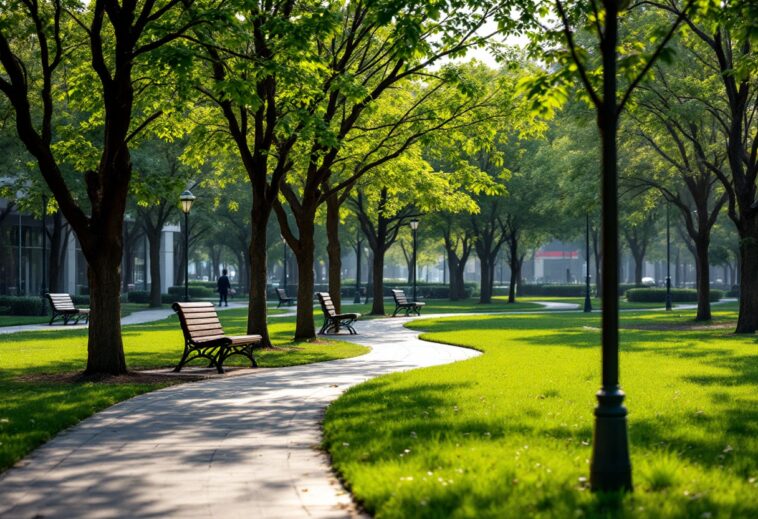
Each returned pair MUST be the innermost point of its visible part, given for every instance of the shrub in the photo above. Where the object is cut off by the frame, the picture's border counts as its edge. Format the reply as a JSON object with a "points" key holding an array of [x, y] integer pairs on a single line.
{"points": [[194, 291], [551, 290], [80, 300], [29, 305], [142, 297], [658, 295]]}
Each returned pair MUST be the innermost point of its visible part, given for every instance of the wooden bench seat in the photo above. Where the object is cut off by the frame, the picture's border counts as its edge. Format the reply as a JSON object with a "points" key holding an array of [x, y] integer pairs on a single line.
{"points": [[332, 320], [284, 299], [63, 308], [402, 303], [204, 337]]}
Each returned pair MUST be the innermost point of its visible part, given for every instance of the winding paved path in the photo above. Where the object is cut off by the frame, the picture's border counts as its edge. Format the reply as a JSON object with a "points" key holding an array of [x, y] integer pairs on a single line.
{"points": [[234, 447]]}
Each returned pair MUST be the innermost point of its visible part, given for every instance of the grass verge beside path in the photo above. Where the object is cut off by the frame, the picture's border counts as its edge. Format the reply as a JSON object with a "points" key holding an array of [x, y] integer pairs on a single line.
{"points": [[37, 370], [508, 434]]}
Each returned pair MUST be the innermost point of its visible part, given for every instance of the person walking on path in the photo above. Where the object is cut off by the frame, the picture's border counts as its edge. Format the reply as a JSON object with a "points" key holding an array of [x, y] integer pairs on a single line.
{"points": [[223, 287]]}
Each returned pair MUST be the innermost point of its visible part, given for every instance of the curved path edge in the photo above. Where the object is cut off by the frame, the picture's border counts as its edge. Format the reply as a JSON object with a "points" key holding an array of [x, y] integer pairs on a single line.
{"points": [[243, 446]]}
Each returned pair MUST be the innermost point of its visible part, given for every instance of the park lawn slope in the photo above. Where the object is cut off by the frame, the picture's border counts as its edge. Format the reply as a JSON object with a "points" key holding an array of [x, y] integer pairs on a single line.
{"points": [[40, 396], [508, 434]]}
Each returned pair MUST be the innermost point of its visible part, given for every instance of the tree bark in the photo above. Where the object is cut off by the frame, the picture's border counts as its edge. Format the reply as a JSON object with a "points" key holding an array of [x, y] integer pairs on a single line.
{"points": [[304, 252], [257, 310], [334, 250], [377, 272], [58, 245], [514, 263], [105, 348], [747, 321], [486, 279], [703, 275]]}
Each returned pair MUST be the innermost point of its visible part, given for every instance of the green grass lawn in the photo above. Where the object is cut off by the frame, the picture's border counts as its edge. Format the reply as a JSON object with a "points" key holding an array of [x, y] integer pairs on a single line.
{"points": [[39, 400], [508, 434]]}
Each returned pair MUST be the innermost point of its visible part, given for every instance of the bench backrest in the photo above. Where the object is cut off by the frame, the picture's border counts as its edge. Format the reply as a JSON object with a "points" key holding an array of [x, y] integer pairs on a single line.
{"points": [[327, 305], [199, 321], [61, 302], [400, 297], [282, 293]]}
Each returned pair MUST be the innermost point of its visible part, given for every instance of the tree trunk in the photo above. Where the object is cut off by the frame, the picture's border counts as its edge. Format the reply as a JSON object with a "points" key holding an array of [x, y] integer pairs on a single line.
{"points": [[747, 321], [703, 276], [304, 252], [377, 271], [334, 250], [58, 245], [105, 347], [154, 245], [256, 312], [639, 262], [485, 289]]}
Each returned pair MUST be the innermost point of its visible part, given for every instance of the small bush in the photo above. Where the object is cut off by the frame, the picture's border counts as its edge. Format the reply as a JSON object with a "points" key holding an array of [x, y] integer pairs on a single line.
{"points": [[678, 295], [80, 300], [551, 290], [142, 297], [194, 291], [29, 305]]}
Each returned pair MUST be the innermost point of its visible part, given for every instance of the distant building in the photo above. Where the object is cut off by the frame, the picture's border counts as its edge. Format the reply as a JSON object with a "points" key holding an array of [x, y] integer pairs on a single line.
{"points": [[21, 248]]}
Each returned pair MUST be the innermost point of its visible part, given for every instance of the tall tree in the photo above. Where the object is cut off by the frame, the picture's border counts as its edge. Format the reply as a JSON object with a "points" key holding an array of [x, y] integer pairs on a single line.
{"points": [[116, 46], [722, 40]]}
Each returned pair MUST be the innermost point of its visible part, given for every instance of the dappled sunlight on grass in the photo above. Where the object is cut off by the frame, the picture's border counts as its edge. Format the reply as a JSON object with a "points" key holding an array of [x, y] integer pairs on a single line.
{"points": [[508, 434]]}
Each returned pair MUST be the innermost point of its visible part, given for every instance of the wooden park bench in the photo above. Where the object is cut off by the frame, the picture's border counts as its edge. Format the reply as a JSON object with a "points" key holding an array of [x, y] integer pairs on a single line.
{"points": [[402, 303], [63, 308], [204, 337], [284, 299], [332, 320]]}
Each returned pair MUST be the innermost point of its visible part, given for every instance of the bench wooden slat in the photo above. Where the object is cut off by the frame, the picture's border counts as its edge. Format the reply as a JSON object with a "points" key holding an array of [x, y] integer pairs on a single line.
{"points": [[200, 334], [200, 327]]}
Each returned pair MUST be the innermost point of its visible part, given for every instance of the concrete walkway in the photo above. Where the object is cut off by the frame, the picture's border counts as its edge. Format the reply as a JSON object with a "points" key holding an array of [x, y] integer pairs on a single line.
{"points": [[236, 447]]}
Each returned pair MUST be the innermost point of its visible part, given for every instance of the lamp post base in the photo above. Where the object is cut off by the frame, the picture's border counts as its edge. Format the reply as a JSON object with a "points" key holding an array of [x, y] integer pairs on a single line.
{"points": [[610, 469]]}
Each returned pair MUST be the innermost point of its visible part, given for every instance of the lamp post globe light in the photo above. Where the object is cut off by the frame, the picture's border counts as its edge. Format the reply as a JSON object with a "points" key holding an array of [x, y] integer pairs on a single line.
{"points": [[587, 297], [414, 227], [186, 199]]}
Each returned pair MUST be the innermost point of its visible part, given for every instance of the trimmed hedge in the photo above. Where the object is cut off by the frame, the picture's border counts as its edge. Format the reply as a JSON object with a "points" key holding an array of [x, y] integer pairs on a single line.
{"points": [[142, 297], [678, 295], [194, 291], [552, 290], [24, 305]]}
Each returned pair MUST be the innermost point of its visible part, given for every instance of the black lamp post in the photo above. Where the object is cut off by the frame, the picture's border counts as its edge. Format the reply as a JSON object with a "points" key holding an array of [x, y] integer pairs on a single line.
{"points": [[610, 468], [587, 297], [668, 259], [414, 228], [186, 198], [284, 264], [43, 289], [358, 245]]}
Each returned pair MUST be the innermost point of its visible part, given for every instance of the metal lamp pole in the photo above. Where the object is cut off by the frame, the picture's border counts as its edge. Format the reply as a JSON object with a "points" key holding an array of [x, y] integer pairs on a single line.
{"points": [[414, 228], [587, 297], [668, 259], [186, 199]]}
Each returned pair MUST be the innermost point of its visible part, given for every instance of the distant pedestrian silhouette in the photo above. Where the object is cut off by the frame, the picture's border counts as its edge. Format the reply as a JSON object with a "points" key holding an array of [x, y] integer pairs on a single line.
{"points": [[223, 287]]}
